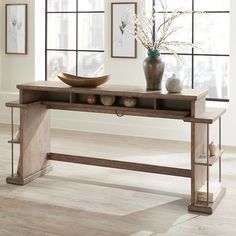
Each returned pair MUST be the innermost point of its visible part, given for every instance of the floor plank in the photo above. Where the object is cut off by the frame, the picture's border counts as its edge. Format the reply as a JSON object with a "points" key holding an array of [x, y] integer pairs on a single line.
{"points": [[86, 200]]}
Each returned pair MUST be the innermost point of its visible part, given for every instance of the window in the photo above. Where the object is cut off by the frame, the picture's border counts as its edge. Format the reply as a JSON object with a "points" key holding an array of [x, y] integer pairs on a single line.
{"points": [[74, 37], [207, 67]]}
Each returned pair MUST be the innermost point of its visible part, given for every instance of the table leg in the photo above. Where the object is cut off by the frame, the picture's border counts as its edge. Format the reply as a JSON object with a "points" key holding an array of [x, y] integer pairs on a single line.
{"points": [[198, 172], [34, 144]]}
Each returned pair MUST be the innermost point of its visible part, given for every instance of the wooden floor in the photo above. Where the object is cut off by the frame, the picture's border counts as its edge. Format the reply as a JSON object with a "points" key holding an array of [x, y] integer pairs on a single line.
{"points": [[93, 201]]}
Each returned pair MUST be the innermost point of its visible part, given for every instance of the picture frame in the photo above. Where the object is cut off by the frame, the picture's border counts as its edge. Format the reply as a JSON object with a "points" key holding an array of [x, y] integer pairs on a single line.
{"points": [[122, 44], [16, 28]]}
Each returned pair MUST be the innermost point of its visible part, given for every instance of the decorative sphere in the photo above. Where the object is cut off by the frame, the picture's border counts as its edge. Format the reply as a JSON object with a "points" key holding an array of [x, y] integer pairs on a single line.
{"points": [[107, 100], [91, 99], [130, 102], [174, 85], [213, 149]]}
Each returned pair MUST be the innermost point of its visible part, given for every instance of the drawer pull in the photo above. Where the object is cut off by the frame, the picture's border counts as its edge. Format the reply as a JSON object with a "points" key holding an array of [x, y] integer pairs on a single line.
{"points": [[119, 115]]}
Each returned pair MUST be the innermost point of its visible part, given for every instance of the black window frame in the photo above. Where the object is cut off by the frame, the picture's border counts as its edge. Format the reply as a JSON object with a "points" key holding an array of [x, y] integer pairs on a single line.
{"points": [[193, 54], [77, 50]]}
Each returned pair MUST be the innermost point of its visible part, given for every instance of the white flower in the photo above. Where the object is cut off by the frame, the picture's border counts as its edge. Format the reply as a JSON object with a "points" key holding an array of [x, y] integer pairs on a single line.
{"points": [[143, 29]]}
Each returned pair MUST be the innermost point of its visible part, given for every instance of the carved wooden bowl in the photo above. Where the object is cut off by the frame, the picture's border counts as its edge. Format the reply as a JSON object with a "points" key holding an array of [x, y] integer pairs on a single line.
{"points": [[77, 81]]}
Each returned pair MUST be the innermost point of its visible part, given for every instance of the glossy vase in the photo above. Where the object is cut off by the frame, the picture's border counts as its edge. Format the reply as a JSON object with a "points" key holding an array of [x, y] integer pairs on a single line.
{"points": [[153, 68]]}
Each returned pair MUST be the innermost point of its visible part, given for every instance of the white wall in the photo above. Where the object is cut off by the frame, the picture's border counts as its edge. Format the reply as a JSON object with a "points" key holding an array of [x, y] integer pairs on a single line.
{"points": [[123, 71], [17, 68], [1, 40], [39, 40]]}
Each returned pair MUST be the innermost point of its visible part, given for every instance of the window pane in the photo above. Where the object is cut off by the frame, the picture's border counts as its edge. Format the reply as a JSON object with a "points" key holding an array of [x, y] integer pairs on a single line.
{"points": [[90, 63], [91, 5], [184, 33], [175, 4], [212, 5], [60, 62], [91, 31], [61, 5], [212, 33], [61, 31], [212, 73], [182, 68]]}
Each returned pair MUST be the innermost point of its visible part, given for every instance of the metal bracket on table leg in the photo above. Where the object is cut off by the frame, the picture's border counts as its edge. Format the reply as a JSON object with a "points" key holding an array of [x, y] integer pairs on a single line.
{"points": [[12, 143], [119, 115], [207, 165], [220, 149]]}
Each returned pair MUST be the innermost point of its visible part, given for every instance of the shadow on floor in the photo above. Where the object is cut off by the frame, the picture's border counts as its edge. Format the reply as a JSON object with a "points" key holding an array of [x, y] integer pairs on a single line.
{"points": [[32, 218], [111, 185]]}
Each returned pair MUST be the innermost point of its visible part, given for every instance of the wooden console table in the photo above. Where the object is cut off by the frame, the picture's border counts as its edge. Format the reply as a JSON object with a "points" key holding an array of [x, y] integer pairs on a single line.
{"points": [[36, 99]]}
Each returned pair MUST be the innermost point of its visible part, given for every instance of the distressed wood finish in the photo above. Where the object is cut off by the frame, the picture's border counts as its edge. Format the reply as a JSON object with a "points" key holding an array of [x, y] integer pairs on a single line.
{"points": [[17, 104], [201, 208], [212, 159], [120, 165], [171, 114], [27, 96], [198, 147], [37, 98], [34, 144], [16, 141], [18, 180], [35, 141], [209, 116], [114, 90]]}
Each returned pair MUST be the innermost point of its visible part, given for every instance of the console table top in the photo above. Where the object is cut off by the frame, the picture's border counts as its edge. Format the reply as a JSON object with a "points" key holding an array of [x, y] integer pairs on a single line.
{"points": [[116, 90]]}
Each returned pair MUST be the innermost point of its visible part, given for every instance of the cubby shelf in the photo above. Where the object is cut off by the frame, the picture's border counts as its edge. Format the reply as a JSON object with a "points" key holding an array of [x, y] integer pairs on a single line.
{"points": [[146, 106], [117, 109]]}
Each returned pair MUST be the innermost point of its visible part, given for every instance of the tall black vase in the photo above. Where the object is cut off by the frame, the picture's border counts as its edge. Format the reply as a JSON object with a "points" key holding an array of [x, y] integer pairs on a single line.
{"points": [[153, 68]]}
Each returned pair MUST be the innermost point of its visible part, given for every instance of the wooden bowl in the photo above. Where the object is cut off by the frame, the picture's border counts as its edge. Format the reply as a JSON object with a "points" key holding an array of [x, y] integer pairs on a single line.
{"points": [[76, 81]]}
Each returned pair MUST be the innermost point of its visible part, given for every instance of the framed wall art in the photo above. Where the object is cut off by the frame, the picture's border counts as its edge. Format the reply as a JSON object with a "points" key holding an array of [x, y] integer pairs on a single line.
{"points": [[122, 44], [16, 29]]}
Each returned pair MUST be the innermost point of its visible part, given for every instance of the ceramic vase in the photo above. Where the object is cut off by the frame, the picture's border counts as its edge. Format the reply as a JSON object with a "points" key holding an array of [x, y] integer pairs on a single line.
{"points": [[153, 68], [174, 84]]}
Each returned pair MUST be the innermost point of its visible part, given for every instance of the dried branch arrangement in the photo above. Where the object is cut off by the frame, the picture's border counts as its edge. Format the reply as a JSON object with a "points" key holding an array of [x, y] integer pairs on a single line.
{"points": [[143, 29]]}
